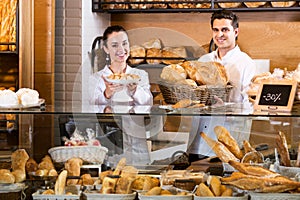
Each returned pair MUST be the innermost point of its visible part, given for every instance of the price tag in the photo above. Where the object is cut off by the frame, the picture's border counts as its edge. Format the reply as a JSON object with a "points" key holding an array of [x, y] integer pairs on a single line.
{"points": [[276, 95]]}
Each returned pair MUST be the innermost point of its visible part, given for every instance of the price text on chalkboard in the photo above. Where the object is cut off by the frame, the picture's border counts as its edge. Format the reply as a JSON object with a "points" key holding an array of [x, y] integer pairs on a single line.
{"points": [[278, 95], [275, 95]]}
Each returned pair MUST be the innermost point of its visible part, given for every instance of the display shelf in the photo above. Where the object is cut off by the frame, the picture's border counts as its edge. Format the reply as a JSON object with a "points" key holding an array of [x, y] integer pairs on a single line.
{"points": [[188, 6]]}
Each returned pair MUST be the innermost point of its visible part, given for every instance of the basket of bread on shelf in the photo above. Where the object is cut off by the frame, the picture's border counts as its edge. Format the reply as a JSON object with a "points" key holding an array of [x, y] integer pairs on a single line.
{"points": [[278, 74], [248, 170], [194, 82]]}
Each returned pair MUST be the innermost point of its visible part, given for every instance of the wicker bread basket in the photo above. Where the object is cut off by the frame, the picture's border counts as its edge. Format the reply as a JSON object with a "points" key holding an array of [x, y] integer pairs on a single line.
{"points": [[173, 93], [91, 154]]}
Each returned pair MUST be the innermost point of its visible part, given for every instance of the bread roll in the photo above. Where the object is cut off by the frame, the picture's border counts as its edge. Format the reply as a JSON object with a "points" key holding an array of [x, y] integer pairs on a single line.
{"points": [[60, 183], [154, 43], [19, 159], [42, 172], [173, 52], [87, 179], [282, 3], [204, 191], [73, 168], [225, 137], [46, 163], [173, 73], [109, 185], [19, 175], [137, 51], [6, 176], [153, 52], [229, 5], [49, 191], [31, 165], [52, 172], [254, 4]]}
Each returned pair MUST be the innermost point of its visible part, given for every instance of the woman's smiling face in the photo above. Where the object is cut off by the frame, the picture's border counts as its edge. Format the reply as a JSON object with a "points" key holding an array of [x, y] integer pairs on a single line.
{"points": [[118, 47]]}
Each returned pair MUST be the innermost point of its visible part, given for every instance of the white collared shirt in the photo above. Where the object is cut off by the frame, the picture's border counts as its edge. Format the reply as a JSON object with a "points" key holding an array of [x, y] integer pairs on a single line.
{"points": [[240, 69]]}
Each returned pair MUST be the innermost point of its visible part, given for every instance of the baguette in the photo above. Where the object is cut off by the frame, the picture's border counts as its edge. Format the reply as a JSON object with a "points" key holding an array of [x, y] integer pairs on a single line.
{"points": [[283, 149], [224, 136], [220, 149], [60, 183]]}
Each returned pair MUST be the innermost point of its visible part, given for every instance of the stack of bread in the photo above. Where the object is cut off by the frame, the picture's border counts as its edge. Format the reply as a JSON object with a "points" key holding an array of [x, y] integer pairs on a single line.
{"points": [[196, 73], [8, 9], [154, 53]]}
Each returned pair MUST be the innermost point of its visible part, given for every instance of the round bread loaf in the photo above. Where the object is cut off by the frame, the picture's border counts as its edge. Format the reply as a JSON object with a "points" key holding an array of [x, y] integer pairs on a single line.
{"points": [[173, 73]]}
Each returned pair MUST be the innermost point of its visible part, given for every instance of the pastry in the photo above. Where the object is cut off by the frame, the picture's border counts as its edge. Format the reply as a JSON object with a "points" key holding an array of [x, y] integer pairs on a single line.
{"points": [[254, 4], [282, 3], [87, 179], [19, 175], [225, 137]]}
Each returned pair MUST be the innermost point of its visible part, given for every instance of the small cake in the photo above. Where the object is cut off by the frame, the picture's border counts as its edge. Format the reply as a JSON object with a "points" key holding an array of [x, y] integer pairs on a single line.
{"points": [[8, 98], [27, 96]]}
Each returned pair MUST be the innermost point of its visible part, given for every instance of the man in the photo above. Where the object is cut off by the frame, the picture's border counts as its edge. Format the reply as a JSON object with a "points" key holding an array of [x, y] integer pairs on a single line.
{"points": [[240, 69]]}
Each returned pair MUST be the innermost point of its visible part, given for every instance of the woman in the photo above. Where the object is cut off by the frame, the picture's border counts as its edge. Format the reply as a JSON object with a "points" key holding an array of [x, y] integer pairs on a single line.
{"points": [[116, 46]]}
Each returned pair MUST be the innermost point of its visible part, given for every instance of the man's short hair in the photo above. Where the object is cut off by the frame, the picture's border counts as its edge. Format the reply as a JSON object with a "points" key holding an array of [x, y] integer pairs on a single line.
{"points": [[225, 14]]}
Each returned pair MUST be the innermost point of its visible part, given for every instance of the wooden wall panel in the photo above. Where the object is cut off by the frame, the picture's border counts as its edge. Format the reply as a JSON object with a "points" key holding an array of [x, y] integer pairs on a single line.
{"points": [[263, 35]]}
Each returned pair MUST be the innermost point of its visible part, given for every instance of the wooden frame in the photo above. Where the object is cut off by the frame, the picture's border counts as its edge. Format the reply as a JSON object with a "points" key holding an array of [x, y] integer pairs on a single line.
{"points": [[276, 96]]}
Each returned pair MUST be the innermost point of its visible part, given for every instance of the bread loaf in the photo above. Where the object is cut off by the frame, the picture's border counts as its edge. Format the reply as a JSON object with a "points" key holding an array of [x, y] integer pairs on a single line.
{"points": [[206, 73], [254, 4], [6, 176], [19, 175], [230, 5], [73, 168], [19, 159], [283, 150], [173, 52], [109, 185], [153, 52], [31, 165], [46, 163], [173, 73], [282, 3], [153, 43], [137, 51]]}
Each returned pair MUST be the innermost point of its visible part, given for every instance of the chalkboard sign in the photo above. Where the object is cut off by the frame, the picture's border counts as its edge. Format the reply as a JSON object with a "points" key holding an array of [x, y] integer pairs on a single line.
{"points": [[276, 95]]}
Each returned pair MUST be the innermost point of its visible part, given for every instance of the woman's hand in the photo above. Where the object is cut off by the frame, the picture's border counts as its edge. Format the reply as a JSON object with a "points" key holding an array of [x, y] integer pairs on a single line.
{"points": [[111, 88], [131, 88]]}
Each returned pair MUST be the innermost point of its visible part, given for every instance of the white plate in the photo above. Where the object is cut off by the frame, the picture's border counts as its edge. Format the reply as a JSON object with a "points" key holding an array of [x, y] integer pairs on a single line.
{"points": [[38, 104]]}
